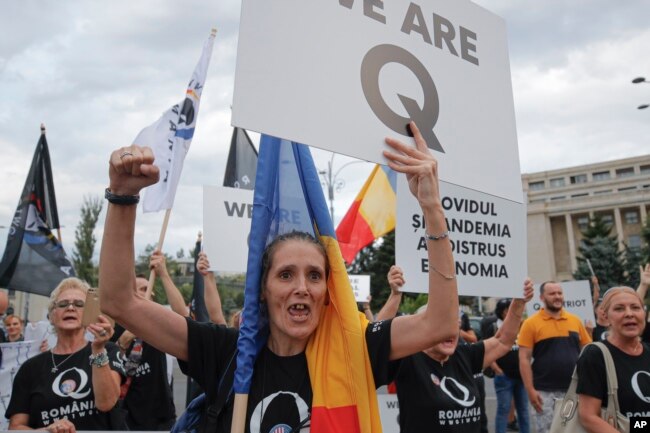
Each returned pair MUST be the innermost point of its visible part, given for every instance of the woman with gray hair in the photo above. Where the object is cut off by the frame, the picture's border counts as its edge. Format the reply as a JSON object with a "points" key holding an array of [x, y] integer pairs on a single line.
{"points": [[74, 385]]}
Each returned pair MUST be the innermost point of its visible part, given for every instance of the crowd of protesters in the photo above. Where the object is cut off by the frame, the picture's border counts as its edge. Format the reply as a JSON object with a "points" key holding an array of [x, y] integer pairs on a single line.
{"points": [[95, 378]]}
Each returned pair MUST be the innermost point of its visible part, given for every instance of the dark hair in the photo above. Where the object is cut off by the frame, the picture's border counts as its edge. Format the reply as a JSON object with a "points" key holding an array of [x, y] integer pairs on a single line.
{"points": [[541, 287], [141, 275], [501, 307], [269, 252]]}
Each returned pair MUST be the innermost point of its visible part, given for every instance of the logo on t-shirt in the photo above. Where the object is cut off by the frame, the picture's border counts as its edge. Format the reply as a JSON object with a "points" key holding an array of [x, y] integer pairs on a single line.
{"points": [[260, 410], [72, 383], [637, 388], [454, 390]]}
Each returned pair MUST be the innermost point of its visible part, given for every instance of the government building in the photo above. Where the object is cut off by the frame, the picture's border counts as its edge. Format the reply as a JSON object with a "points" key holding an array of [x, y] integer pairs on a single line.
{"points": [[560, 203]]}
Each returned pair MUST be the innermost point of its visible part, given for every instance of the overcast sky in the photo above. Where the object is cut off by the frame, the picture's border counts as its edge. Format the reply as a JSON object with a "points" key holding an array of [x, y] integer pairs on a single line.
{"points": [[96, 73]]}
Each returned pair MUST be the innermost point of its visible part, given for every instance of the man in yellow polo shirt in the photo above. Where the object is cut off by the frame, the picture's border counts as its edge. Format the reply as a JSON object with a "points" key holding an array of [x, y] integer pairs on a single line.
{"points": [[549, 346]]}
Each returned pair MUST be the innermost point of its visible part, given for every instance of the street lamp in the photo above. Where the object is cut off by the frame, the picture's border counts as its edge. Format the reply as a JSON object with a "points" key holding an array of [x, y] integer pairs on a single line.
{"points": [[332, 181], [639, 80]]}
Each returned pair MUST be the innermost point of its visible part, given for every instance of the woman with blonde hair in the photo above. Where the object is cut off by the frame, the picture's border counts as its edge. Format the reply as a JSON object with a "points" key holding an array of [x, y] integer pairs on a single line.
{"points": [[623, 308], [14, 327], [74, 385]]}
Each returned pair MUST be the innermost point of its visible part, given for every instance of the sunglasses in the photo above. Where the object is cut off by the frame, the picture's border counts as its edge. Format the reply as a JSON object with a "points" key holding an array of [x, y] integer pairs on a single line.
{"points": [[78, 303]]}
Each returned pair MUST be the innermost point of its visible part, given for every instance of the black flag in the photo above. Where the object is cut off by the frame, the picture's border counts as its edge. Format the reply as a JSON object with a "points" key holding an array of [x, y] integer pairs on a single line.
{"points": [[34, 260], [242, 161], [198, 311]]}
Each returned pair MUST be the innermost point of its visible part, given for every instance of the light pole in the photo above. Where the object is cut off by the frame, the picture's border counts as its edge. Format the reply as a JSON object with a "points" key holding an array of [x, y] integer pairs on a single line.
{"points": [[639, 80], [332, 181]]}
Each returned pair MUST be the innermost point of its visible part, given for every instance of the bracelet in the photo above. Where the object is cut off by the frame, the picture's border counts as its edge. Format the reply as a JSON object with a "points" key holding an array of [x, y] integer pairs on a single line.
{"points": [[99, 360], [123, 200], [437, 237], [445, 276]]}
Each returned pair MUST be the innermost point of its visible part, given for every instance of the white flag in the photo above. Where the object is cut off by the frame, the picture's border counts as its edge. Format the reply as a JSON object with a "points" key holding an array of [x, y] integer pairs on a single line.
{"points": [[171, 135]]}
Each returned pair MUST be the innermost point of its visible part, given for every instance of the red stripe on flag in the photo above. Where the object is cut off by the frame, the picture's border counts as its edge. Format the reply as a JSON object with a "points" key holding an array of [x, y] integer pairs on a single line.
{"points": [[360, 235], [334, 420]]}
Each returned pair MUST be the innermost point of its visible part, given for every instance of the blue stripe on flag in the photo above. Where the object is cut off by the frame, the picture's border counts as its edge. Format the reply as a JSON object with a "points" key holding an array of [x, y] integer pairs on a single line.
{"points": [[185, 134]]}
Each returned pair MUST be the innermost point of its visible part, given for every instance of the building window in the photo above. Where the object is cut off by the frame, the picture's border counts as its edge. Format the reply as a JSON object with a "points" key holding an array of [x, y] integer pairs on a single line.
{"points": [[631, 217], [579, 178], [606, 191], [583, 222], [536, 186], [627, 188], [582, 194], [607, 219], [601, 175], [557, 182], [560, 197], [625, 172], [645, 169], [634, 242]]}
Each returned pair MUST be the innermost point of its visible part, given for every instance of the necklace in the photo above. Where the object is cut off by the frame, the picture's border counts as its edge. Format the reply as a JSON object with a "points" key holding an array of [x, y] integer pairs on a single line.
{"points": [[55, 366]]}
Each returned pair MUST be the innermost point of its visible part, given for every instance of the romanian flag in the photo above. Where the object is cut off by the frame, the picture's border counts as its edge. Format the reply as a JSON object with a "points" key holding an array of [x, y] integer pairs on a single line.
{"points": [[371, 215], [288, 196]]}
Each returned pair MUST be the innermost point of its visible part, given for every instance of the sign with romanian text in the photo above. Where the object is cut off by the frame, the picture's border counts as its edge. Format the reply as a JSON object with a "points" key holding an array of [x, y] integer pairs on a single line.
{"points": [[343, 75], [577, 300], [361, 287], [487, 235]]}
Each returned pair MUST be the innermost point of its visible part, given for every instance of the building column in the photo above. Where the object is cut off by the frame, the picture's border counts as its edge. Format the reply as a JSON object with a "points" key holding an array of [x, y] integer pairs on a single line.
{"points": [[572, 242], [619, 228], [644, 214]]}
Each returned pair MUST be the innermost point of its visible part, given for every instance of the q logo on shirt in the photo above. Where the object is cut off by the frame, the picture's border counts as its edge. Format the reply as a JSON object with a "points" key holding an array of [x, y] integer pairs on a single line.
{"points": [[465, 402], [258, 414], [637, 389], [75, 385]]}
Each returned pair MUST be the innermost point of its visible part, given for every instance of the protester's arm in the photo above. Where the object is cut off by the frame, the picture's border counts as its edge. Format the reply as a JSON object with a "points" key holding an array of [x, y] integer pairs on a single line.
{"points": [[644, 280], [526, 371], [155, 324], [411, 334], [365, 307], [158, 263], [210, 292], [589, 413], [596, 290], [20, 421], [395, 281], [501, 343], [106, 382]]}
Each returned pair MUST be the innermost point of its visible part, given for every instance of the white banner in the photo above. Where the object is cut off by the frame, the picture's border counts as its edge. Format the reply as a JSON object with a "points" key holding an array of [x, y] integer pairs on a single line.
{"points": [[13, 356], [388, 412], [226, 224], [577, 300], [361, 287], [171, 135], [367, 67], [488, 236]]}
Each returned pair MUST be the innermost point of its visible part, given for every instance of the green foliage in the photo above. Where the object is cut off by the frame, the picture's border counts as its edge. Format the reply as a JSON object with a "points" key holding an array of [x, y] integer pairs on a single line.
{"points": [[84, 244], [635, 257], [375, 260], [601, 249]]}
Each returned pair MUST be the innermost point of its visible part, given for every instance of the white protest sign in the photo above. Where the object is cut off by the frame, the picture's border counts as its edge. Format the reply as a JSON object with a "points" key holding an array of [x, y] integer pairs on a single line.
{"points": [[488, 237], [227, 216], [367, 67], [361, 287], [577, 300], [13, 356], [388, 412]]}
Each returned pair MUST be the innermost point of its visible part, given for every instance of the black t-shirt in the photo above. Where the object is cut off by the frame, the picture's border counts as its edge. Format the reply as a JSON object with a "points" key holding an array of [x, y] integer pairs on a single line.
{"points": [[632, 373], [440, 397], [645, 335], [48, 397], [150, 401], [599, 333], [280, 394]]}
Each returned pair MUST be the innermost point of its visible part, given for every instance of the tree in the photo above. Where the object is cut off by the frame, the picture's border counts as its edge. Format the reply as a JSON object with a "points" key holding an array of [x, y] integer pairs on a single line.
{"points": [[601, 249], [634, 257], [84, 244]]}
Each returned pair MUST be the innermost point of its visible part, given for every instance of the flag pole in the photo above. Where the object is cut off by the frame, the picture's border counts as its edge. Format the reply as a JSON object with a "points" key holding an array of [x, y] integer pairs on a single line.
{"points": [[161, 239], [58, 229]]}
